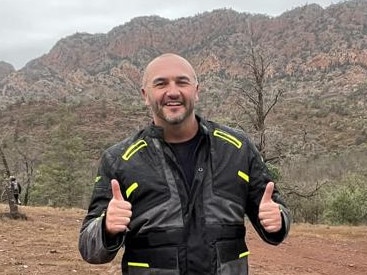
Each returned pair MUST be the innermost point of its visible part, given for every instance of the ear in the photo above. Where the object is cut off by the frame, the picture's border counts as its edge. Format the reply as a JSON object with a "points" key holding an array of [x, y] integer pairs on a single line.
{"points": [[144, 94], [197, 93]]}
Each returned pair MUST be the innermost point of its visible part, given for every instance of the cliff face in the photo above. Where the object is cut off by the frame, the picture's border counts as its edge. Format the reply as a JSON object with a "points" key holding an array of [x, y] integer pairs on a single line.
{"points": [[318, 56], [5, 69], [305, 41]]}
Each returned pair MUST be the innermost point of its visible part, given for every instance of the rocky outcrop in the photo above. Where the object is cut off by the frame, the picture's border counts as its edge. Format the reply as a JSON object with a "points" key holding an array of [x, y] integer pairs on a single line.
{"points": [[305, 42], [5, 69]]}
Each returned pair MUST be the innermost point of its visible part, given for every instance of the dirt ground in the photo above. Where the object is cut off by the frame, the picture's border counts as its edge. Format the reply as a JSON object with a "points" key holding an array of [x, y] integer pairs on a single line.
{"points": [[46, 243]]}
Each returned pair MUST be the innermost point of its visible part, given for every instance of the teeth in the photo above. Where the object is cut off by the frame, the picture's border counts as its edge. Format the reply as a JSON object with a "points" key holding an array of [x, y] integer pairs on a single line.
{"points": [[173, 103]]}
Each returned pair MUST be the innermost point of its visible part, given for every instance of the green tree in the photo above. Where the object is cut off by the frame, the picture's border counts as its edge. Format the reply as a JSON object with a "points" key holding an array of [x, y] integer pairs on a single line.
{"points": [[60, 178], [347, 203]]}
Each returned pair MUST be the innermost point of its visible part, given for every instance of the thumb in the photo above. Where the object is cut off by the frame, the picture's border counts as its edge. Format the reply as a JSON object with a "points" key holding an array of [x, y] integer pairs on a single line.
{"points": [[268, 192], [116, 191]]}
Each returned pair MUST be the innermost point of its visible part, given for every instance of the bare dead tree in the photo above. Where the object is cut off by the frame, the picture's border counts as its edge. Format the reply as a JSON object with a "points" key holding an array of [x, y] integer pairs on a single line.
{"points": [[292, 190], [13, 207], [28, 163], [255, 100]]}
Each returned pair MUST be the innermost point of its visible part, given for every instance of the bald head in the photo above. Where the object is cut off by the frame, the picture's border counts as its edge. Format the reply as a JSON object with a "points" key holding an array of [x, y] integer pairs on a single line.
{"points": [[169, 60]]}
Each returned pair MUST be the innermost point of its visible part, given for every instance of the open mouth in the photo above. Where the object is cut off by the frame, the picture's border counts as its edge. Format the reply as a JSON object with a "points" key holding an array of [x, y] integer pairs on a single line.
{"points": [[173, 104]]}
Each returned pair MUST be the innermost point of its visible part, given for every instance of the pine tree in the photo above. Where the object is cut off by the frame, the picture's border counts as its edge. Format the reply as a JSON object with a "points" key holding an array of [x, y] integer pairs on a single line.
{"points": [[60, 179]]}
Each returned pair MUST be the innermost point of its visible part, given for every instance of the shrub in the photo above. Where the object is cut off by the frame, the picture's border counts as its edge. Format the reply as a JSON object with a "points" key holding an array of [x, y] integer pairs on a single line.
{"points": [[347, 203], [274, 171]]}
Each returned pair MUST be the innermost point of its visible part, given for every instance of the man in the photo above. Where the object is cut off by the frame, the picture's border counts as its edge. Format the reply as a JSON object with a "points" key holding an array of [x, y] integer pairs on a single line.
{"points": [[175, 194], [16, 188]]}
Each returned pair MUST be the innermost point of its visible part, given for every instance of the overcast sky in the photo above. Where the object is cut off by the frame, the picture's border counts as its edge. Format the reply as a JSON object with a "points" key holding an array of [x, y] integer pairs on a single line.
{"points": [[30, 28]]}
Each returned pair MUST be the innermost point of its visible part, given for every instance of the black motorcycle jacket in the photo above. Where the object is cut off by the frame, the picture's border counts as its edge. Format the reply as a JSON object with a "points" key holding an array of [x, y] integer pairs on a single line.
{"points": [[175, 229]]}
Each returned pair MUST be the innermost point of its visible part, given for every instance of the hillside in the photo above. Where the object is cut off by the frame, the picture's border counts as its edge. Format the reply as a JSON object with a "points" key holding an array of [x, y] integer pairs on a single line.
{"points": [[318, 56]]}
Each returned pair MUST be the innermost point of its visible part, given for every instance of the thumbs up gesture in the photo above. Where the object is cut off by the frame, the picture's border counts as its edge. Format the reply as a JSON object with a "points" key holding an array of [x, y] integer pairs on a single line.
{"points": [[269, 212], [118, 212]]}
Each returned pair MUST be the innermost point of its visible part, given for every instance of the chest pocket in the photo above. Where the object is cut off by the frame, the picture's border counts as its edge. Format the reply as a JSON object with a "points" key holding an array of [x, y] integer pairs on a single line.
{"points": [[145, 188], [143, 178], [230, 179]]}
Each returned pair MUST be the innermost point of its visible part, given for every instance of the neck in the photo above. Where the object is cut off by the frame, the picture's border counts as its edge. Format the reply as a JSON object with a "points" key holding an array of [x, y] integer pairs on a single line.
{"points": [[176, 133]]}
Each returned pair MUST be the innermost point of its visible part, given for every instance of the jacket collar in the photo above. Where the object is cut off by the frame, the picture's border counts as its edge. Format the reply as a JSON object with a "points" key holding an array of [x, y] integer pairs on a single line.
{"points": [[155, 131]]}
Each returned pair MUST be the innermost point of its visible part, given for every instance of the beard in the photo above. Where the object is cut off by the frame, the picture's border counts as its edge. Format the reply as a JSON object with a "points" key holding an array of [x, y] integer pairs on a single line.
{"points": [[173, 118]]}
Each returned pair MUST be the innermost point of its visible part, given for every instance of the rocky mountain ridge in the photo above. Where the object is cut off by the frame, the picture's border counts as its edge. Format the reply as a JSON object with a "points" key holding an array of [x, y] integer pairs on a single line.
{"points": [[306, 40], [318, 55]]}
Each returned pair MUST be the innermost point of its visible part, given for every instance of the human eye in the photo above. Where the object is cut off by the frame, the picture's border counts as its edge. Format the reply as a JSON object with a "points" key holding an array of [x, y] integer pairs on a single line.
{"points": [[160, 83], [183, 81]]}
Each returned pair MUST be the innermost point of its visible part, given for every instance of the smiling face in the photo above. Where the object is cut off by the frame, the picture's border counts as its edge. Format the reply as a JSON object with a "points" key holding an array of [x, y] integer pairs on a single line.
{"points": [[170, 89]]}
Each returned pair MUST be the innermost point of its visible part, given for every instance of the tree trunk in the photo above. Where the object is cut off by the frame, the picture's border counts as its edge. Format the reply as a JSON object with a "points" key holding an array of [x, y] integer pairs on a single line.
{"points": [[13, 207], [11, 200]]}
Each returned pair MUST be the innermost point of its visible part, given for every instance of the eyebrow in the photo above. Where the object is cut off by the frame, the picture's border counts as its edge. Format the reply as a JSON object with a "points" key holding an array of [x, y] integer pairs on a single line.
{"points": [[178, 78], [183, 78], [158, 80]]}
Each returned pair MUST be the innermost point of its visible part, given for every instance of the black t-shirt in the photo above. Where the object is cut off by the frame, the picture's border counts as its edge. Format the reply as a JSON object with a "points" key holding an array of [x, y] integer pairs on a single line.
{"points": [[185, 153]]}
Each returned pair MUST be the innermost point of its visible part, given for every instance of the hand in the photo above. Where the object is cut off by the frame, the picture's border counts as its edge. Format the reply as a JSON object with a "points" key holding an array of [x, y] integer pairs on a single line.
{"points": [[269, 211], [118, 212]]}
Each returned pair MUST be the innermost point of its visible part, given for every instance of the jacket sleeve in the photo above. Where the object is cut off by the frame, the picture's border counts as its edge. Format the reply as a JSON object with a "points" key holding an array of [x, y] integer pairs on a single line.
{"points": [[259, 178], [94, 246]]}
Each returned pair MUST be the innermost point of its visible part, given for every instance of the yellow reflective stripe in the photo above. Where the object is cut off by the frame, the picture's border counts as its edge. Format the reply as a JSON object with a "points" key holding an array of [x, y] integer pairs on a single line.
{"points": [[131, 189], [227, 137], [243, 175], [138, 264], [97, 179], [244, 254], [134, 148]]}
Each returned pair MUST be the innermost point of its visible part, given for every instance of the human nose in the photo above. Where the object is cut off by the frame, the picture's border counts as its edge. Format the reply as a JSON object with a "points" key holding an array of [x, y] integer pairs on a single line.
{"points": [[173, 89]]}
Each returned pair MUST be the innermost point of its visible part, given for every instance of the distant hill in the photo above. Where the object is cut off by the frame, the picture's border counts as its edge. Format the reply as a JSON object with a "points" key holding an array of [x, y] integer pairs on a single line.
{"points": [[318, 56], [5, 69]]}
